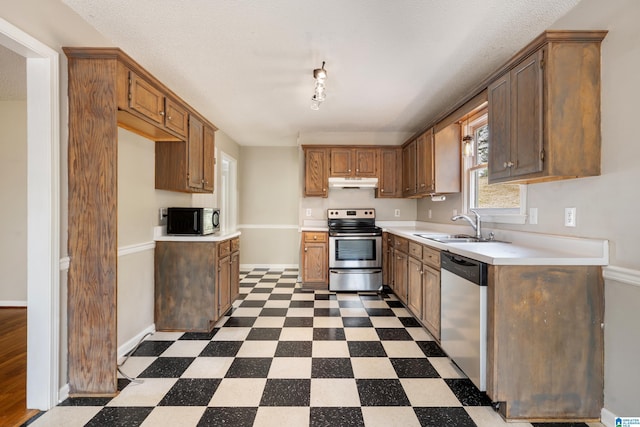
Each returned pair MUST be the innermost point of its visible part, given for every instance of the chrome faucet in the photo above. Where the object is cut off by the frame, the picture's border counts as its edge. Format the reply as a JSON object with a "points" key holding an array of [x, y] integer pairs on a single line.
{"points": [[474, 223]]}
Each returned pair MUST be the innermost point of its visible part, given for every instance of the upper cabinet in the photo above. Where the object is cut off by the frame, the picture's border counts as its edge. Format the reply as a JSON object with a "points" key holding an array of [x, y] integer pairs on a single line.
{"points": [[544, 108], [389, 173], [424, 163], [315, 172], [409, 169], [353, 162]]}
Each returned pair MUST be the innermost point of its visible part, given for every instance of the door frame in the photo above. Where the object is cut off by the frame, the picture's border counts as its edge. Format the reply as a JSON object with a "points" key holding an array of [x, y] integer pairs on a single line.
{"points": [[43, 215]]}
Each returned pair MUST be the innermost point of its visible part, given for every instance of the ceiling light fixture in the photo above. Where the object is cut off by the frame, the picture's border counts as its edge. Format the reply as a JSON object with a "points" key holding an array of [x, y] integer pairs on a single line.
{"points": [[319, 94]]}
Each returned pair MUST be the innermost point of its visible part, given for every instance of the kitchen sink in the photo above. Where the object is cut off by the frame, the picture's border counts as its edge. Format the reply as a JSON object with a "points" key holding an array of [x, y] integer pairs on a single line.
{"points": [[454, 238]]}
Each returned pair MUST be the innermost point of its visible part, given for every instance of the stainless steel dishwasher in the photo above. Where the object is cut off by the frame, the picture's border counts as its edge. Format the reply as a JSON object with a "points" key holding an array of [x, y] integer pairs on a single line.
{"points": [[463, 333]]}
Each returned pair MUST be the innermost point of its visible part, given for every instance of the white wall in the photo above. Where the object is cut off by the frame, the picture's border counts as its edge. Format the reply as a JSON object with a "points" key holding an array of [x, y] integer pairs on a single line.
{"points": [[13, 203], [605, 204]]}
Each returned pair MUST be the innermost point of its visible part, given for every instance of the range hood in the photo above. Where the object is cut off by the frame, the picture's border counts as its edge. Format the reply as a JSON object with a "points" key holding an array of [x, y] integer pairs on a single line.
{"points": [[339, 182]]}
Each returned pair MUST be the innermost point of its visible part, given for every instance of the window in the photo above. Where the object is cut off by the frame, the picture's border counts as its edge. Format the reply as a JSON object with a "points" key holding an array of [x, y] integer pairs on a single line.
{"points": [[495, 202]]}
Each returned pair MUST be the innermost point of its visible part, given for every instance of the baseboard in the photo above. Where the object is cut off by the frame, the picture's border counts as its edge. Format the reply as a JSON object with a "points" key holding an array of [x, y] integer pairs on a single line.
{"points": [[278, 267], [13, 303], [130, 345], [63, 393], [607, 418]]}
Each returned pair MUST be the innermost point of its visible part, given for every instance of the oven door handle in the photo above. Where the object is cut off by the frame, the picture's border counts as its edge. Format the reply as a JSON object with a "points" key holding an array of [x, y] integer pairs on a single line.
{"points": [[355, 235], [355, 271]]}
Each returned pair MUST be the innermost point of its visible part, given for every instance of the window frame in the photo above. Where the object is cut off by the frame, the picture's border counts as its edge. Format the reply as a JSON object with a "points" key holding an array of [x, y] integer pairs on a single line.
{"points": [[496, 215]]}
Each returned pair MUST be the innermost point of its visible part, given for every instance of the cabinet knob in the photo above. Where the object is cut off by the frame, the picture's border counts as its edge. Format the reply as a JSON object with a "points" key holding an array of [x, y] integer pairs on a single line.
{"points": [[168, 117], [422, 185], [315, 237], [324, 190], [162, 113], [357, 170], [382, 190], [305, 249]]}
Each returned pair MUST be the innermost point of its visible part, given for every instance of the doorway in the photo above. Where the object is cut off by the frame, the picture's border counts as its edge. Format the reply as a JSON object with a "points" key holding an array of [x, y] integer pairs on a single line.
{"points": [[43, 220], [228, 193]]}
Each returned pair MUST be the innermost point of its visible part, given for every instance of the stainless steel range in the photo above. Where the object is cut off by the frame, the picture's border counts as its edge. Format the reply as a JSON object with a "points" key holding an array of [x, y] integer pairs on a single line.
{"points": [[355, 250]]}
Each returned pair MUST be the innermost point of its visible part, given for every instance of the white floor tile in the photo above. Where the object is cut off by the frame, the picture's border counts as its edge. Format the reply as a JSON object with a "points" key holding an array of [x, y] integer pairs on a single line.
{"points": [[68, 416], [372, 367], [258, 349], [341, 392], [239, 392], [282, 416], [208, 367], [290, 367], [148, 393], [387, 416], [172, 416], [429, 392], [185, 348]]}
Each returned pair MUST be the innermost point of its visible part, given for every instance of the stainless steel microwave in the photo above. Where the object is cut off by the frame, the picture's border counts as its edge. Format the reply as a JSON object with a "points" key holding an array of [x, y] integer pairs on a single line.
{"points": [[192, 221]]}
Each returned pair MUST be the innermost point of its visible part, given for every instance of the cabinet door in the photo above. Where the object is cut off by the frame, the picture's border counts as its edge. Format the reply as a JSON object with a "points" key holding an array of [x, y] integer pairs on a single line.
{"points": [[145, 99], [235, 276], [409, 170], [414, 297], [366, 162], [209, 158], [431, 305], [341, 162], [315, 263], [400, 275], [499, 118], [176, 117], [224, 285], [526, 116], [196, 178], [315, 174], [389, 184], [424, 163]]}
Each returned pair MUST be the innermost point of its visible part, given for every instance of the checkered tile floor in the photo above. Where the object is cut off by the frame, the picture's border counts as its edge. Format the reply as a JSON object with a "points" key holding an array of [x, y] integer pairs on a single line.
{"points": [[288, 357]]}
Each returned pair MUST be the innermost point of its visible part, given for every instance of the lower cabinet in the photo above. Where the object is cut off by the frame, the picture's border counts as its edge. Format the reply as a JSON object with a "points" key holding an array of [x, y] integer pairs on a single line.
{"points": [[414, 276], [431, 300], [315, 259], [195, 283], [400, 276]]}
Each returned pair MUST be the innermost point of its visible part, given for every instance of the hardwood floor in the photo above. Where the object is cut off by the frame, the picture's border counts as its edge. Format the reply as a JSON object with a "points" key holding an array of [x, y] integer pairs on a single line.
{"points": [[13, 367]]}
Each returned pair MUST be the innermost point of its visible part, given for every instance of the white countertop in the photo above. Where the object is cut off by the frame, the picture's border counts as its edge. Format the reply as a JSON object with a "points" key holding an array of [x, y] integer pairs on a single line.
{"points": [[160, 234], [524, 249]]}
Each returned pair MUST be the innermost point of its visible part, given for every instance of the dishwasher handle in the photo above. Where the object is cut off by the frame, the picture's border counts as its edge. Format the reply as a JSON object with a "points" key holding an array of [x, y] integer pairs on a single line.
{"points": [[467, 268]]}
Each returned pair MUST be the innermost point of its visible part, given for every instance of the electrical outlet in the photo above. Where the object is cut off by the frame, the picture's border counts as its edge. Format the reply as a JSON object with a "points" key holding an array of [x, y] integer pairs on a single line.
{"points": [[569, 217], [429, 213], [533, 216], [163, 214], [397, 212], [308, 212]]}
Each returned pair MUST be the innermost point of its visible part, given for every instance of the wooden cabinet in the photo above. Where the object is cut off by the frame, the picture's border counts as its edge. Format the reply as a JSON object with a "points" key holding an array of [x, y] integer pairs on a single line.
{"points": [[353, 162], [400, 267], [544, 108], [195, 283], [409, 169], [431, 290], [545, 341], [414, 286], [315, 259], [390, 173], [315, 172], [187, 166], [425, 163]]}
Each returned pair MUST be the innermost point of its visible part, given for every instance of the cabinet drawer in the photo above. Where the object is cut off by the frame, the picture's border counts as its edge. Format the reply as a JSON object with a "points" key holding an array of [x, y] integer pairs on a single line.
{"points": [[235, 244], [401, 244], [415, 250], [315, 237], [224, 248], [431, 256]]}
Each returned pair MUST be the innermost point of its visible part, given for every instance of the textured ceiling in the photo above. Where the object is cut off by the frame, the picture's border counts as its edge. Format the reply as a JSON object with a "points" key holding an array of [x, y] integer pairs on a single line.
{"points": [[13, 76], [392, 65]]}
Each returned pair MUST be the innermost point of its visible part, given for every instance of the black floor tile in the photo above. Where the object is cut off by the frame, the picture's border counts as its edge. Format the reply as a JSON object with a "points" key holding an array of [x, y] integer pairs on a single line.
{"points": [[264, 334], [221, 349], [387, 392], [280, 297], [431, 349], [467, 393], [294, 349], [249, 367], [191, 392], [240, 322], [393, 334], [273, 312], [122, 383], [350, 304], [269, 280], [252, 303], [438, 417], [119, 416], [286, 392], [152, 348], [395, 304], [324, 297], [286, 285], [167, 367], [409, 322], [85, 401], [357, 322], [233, 417], [326, 312], [380, 312], [199, 336], [414, 368], [301, 304], [331, 368], [298, 322], [559, 425], [262, 290], [370, 297], [331, 417], [366, 349], [328, 334]]}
